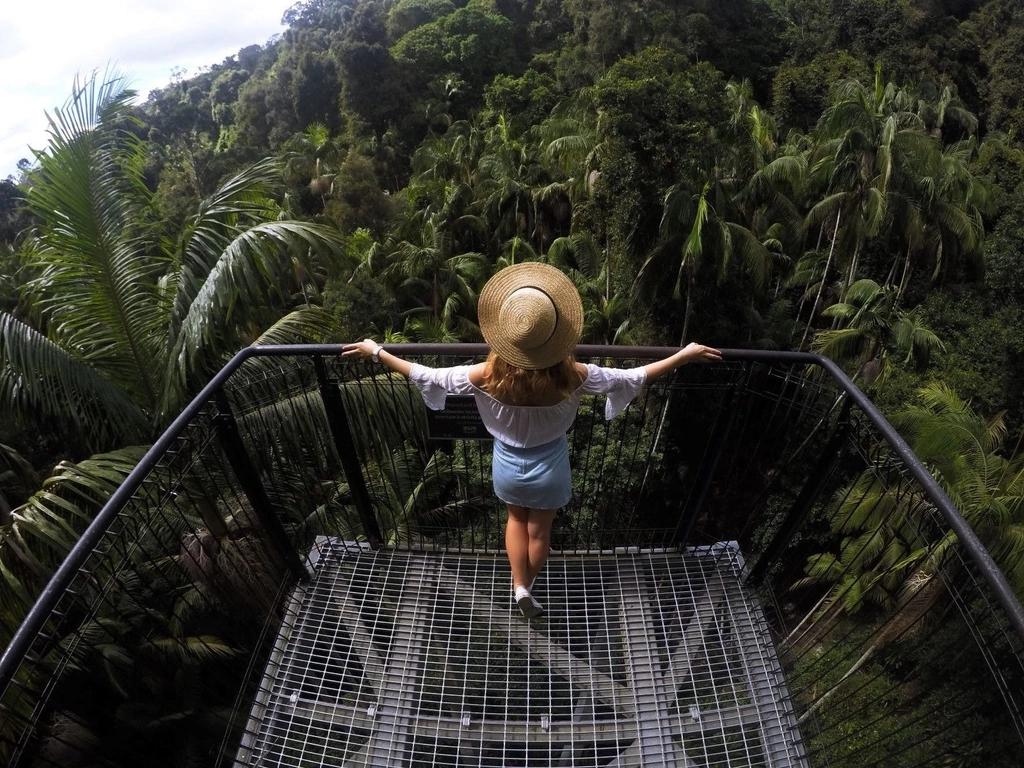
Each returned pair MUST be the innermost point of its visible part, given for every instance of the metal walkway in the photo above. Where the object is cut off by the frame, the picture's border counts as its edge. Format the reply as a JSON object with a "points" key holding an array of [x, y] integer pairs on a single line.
{"points": [[416, 659]]}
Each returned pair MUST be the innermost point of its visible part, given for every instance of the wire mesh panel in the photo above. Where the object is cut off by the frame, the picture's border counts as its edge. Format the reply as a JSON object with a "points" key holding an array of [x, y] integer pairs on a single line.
{"points": [[145, 649], [884, 623], [429, 492], [188, 609], [421, 660]]}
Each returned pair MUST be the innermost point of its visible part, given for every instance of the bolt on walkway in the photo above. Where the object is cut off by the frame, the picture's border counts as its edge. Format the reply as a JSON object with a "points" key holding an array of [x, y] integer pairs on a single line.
{"points": [[420, 659]]}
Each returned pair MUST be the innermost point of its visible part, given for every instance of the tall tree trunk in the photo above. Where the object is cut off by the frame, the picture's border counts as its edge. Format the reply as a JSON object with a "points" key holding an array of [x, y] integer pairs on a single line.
{"points": [[821, 623], [905, 279], [892, 270], [5, 510], [824, 276], [831, 691], [914, 605], [803, 296], [852, 272], [688, 313], [848, 279]]}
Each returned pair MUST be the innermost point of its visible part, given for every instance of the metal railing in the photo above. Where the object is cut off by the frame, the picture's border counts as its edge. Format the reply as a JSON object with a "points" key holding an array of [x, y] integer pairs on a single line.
{"points": [[148, 643]]}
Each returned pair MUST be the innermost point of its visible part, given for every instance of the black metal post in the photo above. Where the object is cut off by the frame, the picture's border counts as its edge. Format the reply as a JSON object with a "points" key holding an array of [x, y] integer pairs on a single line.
{"points": [[817, 479], [337, 421], [706, 471], [252, 486]]}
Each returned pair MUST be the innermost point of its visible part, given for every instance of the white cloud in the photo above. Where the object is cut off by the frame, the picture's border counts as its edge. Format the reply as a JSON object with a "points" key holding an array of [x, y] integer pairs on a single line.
{"points": [[43, 45]]}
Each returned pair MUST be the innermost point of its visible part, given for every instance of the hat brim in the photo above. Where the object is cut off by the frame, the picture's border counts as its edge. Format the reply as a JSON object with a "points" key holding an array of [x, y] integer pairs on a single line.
{"points": [[564, 296]]}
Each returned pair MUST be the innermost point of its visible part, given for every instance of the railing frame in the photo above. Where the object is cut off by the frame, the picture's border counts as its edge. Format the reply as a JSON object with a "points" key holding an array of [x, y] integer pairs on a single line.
{"points": [[706, 471], [249, 480], [341, 434], [62, 578], [818, 479]]}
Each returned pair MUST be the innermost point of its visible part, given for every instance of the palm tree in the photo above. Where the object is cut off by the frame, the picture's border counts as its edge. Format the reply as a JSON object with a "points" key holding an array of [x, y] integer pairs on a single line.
{"points": [[882, 522], [571, 144], [871, 327], [952, 202], [42, 531], [697, 228], [867, 137], [606, 318], [511, 170], [128, 322], [314, 156], [889, 556], [983, 476], [427, 271], [452, 156]]}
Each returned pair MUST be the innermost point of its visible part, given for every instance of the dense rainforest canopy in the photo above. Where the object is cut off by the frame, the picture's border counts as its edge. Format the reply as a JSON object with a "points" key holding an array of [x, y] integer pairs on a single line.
{"points": [[842, 176], [837, 175]]}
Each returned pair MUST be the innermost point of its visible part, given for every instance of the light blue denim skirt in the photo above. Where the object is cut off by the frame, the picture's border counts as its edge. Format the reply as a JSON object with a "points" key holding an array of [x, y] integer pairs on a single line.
{"points": [[536, 477]]}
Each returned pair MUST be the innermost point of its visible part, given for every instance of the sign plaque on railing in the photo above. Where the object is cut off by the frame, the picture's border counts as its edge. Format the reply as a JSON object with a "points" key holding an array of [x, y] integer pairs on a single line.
{"points": [[459, 420]]}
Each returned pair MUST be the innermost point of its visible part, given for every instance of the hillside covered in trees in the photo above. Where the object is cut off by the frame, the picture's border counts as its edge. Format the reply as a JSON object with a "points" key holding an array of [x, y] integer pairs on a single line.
{"points": [[841, 176], [838, 176]]}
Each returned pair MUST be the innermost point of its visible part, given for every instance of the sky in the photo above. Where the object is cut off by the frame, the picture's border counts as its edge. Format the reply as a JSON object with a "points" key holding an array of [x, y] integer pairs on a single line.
{"points": [[43, 44]]}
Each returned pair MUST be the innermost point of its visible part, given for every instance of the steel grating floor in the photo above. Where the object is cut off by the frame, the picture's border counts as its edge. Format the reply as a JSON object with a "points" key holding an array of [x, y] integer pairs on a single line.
{"points": [[416, 659]]}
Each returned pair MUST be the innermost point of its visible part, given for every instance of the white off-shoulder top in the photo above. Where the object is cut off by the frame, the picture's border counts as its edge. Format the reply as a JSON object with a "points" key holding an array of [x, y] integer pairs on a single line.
{"points": [[526, 426]]}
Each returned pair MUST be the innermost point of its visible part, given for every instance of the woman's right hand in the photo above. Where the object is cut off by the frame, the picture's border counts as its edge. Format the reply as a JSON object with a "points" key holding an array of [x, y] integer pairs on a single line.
{"points": [[364, 348], [691, 353]]}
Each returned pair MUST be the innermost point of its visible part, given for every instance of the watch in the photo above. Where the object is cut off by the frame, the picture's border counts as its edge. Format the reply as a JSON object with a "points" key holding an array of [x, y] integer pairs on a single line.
{"points": [[375, 355]]}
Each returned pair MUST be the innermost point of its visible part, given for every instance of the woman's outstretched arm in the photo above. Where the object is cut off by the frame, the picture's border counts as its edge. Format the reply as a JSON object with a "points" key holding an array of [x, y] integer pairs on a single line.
{"points": [[367, 347], [691, 353]]}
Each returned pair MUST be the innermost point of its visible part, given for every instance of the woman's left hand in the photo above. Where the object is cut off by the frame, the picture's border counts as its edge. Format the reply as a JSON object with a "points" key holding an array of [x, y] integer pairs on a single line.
{"points": [[698, 353]]}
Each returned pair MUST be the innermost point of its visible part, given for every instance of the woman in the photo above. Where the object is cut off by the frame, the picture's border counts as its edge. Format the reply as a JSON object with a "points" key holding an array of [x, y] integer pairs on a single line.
{"points": [[528, 392]]}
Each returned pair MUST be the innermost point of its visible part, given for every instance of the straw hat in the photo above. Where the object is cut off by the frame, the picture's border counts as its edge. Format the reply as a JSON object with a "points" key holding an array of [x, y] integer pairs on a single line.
{"points": [[531, 315]]}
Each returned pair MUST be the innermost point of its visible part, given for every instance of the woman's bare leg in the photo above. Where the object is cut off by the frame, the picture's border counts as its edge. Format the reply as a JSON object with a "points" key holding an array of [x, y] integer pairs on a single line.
{"points": [[517, 544], [539, 530]]}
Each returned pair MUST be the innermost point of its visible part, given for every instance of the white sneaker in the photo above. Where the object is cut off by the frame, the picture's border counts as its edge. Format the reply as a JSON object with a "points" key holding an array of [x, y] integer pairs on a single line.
{"points": [[529, 607], [529, 587]]}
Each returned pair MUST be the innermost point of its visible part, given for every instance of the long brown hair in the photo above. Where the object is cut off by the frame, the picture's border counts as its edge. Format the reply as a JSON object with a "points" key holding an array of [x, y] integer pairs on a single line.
{"points": [[516, 386]]}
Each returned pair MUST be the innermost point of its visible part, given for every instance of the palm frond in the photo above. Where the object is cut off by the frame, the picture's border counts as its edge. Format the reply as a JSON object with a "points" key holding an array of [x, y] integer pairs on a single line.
{"points": [[40, 378], [251, 264], [96, 275], [305, 325], [842, 344], [194, 649], [756, 259]]}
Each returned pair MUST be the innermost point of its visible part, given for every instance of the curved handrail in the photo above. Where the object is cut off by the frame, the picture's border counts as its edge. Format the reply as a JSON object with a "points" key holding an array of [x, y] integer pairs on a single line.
{"points": [[61, 579]]}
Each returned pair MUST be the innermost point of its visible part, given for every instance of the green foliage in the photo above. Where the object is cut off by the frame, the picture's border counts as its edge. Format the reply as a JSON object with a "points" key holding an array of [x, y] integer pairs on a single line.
{"points": [[42, 531], [361, 307], [984, 348], [998, 29], [13, 218], [530, 97], [407, 15], [800, 92], [131, 321], [317, 91], [471, 44], [659, 120], [373, 86], [866, 208], [360, 201], [894, 710], [311, 14], [870, 328]]}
